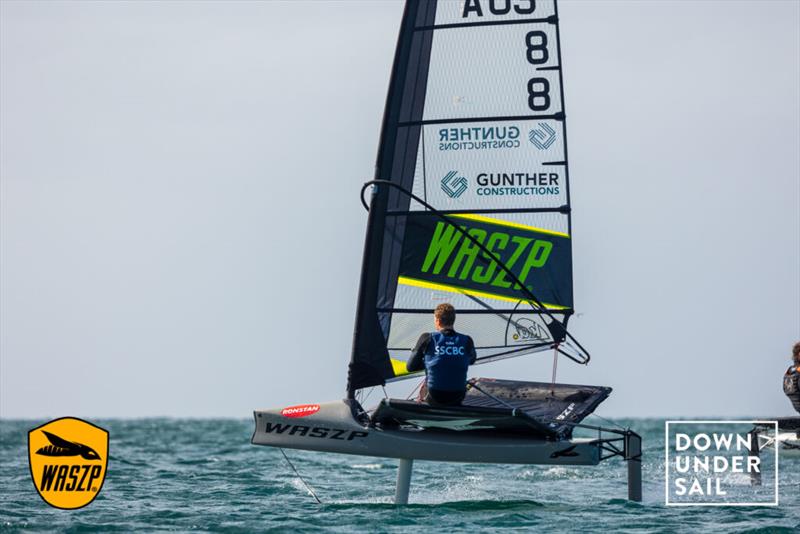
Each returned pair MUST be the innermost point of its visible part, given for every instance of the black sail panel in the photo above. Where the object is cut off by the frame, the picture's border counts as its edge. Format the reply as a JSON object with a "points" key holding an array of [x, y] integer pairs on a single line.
{"points": [[397, 155], [474, 127]]}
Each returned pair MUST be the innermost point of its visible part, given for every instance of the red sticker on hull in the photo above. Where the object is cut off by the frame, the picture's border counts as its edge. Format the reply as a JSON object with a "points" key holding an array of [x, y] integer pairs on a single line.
{"points": [[300, 411]]}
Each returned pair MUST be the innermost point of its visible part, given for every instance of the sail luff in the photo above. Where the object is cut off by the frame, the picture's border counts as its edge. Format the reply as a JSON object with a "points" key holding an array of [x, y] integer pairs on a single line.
{"points": [[369, 360]]}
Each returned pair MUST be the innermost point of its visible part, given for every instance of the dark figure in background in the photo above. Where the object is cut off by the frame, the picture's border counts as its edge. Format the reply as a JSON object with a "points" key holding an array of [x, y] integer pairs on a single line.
{"points": [[791, 380], [445, 355]]}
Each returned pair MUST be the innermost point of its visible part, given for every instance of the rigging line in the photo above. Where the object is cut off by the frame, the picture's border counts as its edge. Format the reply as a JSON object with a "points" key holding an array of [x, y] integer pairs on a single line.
{"points": [[481, 303], [568, 355], [508, 319], [497, 399], [518, 351], [531, 297], [505, 335], [365, 397], [608, 421], [555, 366], [296, 472], [416, 388]]}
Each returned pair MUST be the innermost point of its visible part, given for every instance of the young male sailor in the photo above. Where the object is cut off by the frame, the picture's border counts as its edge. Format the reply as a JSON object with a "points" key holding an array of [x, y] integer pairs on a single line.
{"points": [[791, 380], [445, 355]]}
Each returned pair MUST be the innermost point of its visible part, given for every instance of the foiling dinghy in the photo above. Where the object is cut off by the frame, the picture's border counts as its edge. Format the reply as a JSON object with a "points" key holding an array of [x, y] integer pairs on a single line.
{"points": [[470, 205], [787, 440], [784, 442]]}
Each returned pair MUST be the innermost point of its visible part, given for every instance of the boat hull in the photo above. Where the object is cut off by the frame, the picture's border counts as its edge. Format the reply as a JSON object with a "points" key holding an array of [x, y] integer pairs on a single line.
{"points": [[331, 427], [787, 440], [788, 444]]}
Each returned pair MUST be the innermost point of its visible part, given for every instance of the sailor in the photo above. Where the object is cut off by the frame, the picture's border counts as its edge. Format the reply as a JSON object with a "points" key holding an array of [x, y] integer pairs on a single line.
{"points": [[445, 355], [791, 380]]}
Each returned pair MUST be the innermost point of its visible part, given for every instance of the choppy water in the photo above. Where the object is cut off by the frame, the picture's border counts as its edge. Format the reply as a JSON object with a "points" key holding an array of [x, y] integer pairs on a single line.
{"points": [[178, 475]]}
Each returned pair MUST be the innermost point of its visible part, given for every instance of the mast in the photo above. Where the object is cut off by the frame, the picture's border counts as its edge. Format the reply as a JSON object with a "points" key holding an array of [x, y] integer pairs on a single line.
{"points": [[367, 335]]}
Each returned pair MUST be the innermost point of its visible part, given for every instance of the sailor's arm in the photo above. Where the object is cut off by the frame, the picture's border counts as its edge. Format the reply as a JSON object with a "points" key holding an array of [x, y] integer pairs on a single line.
{"points": [[417, 360], [471, 350]]}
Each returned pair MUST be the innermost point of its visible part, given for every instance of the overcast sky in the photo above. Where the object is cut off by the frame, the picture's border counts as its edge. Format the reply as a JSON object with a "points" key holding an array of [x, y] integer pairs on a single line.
{"points": [[181, 232]]}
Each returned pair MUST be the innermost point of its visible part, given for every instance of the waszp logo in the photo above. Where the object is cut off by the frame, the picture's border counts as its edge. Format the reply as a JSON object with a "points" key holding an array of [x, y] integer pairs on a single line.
{"points": [[454, 185], [543, 136], [68, 459]]}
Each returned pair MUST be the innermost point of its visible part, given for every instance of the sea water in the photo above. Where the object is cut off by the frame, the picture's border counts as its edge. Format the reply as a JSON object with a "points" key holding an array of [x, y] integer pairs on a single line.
{"points": [[204, 475]]}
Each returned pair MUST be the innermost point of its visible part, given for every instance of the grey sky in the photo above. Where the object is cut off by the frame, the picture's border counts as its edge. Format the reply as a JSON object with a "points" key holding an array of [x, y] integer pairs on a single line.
{"points": [[181, 232]]}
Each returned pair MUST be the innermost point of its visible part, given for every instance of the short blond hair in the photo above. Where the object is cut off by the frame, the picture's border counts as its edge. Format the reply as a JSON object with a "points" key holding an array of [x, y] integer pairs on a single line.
{"points": [[445, 314]]}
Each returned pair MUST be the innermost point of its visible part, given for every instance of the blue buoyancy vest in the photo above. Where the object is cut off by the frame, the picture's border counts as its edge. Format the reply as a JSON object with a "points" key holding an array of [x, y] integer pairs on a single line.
{"points": [[446, 361]]}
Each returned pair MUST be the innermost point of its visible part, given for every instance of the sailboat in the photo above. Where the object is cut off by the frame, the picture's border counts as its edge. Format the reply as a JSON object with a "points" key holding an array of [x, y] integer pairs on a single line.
{"points": [[787, 439], [470, 205], [782, 433]]}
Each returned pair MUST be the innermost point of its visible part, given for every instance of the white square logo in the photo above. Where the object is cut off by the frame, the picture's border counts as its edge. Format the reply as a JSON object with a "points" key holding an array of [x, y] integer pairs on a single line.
{"points": [[721, 463]]}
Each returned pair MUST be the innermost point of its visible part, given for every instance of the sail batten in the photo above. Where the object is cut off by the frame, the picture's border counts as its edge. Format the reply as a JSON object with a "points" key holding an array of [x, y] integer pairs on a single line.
{"points": [[460, 120], [474, 127], [549, 20]]}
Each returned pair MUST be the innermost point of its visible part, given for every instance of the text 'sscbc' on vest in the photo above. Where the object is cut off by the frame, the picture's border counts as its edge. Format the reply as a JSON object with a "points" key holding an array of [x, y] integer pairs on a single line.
{"points": [[446, 360]]}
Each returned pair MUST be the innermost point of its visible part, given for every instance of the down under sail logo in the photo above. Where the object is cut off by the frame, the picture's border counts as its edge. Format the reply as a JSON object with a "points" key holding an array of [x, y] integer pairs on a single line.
{"points": [[543, 136], [454, 185]]}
